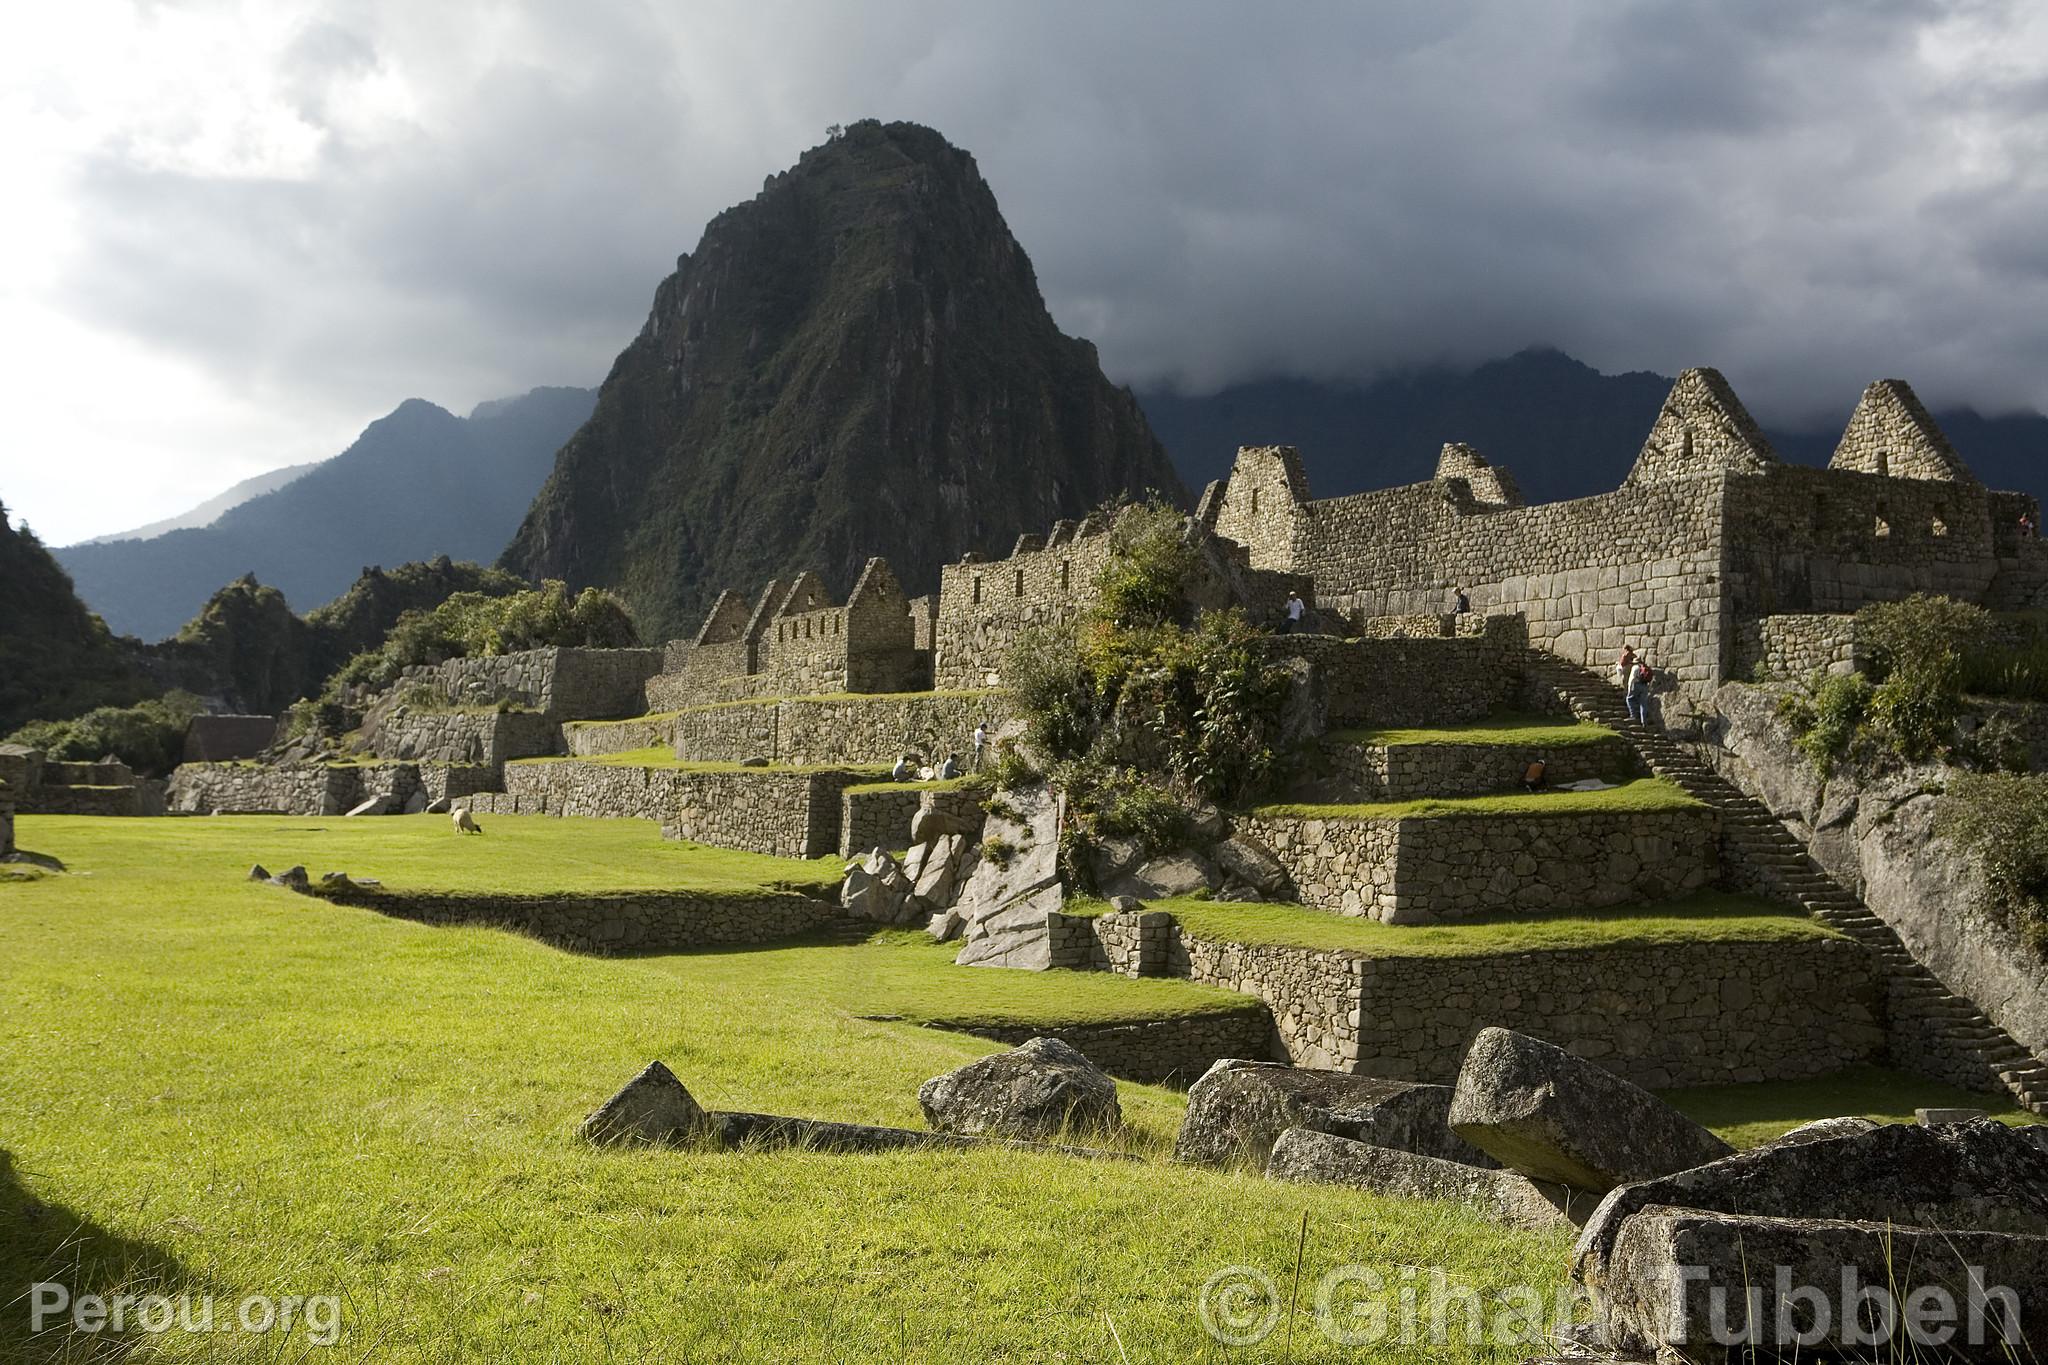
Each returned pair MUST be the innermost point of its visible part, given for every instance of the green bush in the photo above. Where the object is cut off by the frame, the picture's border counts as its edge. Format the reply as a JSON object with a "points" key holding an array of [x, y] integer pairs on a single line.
{"points": [[1828, 720], [1921, 634], [149, 736], [1146, 579], [2002, 819]]}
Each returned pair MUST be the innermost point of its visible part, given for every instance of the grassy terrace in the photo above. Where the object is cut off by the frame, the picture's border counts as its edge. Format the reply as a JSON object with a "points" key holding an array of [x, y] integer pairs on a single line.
{"points": [[215, 1087], [1642, 796], [664, 758], [876, 697], [1710, 917], [1509, 731], [950, 784]]}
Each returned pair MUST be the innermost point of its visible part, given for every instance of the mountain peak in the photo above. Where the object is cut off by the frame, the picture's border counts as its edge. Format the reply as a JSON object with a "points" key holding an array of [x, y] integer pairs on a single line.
{"points": [[856, 361]]}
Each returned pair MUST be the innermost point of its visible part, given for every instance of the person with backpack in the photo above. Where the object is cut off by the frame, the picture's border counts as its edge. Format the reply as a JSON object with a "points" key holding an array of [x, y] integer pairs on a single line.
{"points": [[1638, 695]]}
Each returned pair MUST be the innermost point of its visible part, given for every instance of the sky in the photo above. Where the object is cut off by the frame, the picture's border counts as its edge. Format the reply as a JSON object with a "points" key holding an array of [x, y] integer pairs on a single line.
{"points": [[237, 233]]}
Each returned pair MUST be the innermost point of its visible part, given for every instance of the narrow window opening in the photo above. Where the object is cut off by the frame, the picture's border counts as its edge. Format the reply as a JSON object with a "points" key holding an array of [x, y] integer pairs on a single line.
{"points": [[1066, 574], [1255, 502], [977, 589], [1938, 524], [1884, 525], [1020, 582], [1884, 464], [1820, 512]]}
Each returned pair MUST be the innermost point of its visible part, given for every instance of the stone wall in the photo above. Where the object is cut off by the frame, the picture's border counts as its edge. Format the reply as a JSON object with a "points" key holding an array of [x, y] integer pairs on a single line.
{"points": [[1875, 835], [827, 730], [1796, 646], [562, 684], [762, 810], [1153, 1051], [595, 738], [1709, 532], [6, 821], [1401, 680], [223, 739], [1436, 869], [487, 737], [985, 605], [1406, 772], [610, 925], [315, 788], [871, 818], [1673, 1015], [133, 798]]}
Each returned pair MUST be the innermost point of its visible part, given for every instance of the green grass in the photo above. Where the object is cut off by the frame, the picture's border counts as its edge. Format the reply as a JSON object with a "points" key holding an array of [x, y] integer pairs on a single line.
{"points": [[516, 854], [650, 718], [664, 758], [1515, 731], [877, 697], [215, 1086], [1748, 1115], [1710, 917], [1642, 796], [950, 784]]}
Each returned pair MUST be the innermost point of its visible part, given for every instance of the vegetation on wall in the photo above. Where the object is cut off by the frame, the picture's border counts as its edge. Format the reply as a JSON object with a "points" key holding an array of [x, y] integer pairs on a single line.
{"points": [[1927, 652], [148, 736], [1143, 707], [2002, 818]]}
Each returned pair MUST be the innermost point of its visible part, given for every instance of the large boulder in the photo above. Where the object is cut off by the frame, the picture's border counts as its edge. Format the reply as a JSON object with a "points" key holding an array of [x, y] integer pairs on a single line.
{"points": [[1162, 878], [376, 805], [1683, 1282], [1820, 1130], [1238, 1109], [1015, 885], [1044, 1088], [877, 889], [1303, 1154], [1976, 1175], [1556, 1117], [653, 1107], [1244, 859], [936, 873]]}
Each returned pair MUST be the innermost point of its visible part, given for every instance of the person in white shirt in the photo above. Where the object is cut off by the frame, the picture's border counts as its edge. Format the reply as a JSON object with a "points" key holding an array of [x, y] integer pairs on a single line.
{"points": [[1295, 608], [980, 744]]}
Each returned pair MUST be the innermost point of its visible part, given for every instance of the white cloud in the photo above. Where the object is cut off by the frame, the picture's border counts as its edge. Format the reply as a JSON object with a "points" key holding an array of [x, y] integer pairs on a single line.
{"points": [[241, 230]]}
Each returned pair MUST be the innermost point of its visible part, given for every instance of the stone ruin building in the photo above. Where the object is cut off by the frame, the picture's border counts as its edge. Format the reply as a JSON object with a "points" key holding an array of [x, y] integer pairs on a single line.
{"points": [[1714, 557]]}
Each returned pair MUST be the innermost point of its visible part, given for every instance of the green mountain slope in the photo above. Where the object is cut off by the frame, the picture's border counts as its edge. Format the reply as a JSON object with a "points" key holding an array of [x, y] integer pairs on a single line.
{"points": [[855, 362]]}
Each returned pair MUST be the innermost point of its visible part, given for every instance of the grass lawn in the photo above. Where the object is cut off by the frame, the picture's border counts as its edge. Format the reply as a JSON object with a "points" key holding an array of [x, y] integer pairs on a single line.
{"points": [[665, 758], [1714, 917], [214, 1086], [1747, 1115], [1511, 731], [950, 784], [1644, 795]]}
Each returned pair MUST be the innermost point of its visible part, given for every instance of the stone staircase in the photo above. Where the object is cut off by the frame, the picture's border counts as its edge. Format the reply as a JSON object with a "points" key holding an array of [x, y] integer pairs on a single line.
{"points": [[1956, 1039]]}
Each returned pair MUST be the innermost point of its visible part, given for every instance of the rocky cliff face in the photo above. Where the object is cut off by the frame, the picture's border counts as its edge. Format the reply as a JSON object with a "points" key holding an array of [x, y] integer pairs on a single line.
{"points": [[1875, 835], [856, 362]]}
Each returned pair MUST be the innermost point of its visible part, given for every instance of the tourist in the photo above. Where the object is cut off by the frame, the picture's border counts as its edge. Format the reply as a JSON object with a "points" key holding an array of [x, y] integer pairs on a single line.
{"points": [[2026, 525], [950, 769], [1639, 691], [1295, 607], [903, 771], [1535, 776], [980, 744], [1464, 604], [1624, 665]]}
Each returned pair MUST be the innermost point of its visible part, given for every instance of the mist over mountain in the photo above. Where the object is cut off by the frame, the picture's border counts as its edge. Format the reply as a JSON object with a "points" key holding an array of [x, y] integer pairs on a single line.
{"points": [[1563, 428], [418, 483], [856, 362]]}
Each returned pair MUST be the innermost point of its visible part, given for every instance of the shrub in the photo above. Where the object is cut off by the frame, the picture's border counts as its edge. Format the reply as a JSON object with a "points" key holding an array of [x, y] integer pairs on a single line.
{"points": [[1145, 582], [1920, 634], [2002, 819], [149, 736], [1832, 716], [1915, 708]]}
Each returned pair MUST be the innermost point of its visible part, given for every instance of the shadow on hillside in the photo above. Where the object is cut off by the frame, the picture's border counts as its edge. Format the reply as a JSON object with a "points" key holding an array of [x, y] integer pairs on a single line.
{"points": [[43, 1243]]}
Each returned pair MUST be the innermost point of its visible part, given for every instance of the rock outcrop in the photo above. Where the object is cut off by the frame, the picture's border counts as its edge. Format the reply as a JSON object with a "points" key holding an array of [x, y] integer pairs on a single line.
{"points": [[653, 1107], [1039, 1090], [1305, 1155], [1015, 885], [857, 362], [1239, 1108], [1556, 1117]]}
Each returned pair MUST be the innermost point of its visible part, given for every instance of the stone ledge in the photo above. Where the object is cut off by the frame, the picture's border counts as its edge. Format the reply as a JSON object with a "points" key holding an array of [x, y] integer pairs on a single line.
{"points": [[611, 925]]}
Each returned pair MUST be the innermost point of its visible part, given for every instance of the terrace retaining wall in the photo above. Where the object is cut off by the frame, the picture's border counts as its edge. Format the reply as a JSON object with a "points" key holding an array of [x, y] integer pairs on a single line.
{"points": [[1407, 772], [1434, 869], [610, 925], [827, 730]]}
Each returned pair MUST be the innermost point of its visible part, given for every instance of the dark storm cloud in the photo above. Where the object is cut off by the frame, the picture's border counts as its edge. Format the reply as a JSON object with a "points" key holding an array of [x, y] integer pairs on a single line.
{"points": [[1806, 195]]}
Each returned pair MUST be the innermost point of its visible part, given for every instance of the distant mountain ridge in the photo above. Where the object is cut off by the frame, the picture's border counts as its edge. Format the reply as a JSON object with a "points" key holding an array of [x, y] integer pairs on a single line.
{"points": [[856, 362], [418, 483], [1564, 429], [210, 511]]}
